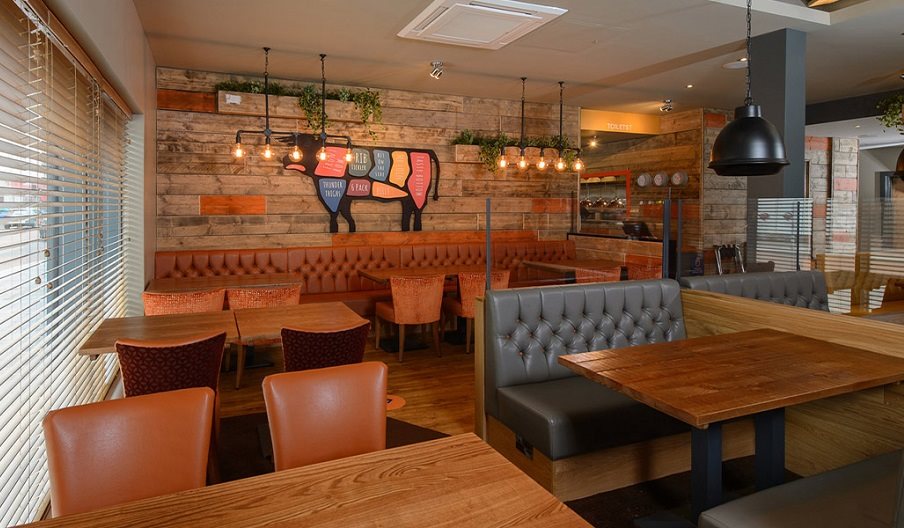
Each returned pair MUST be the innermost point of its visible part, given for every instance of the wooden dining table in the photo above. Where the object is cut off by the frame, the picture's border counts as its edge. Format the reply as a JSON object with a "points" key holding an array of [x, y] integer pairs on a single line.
{"points": [[152, 327], [382, 275], [706, 380], [454, 481], [186, 284], [567, 267], [265, 324]]}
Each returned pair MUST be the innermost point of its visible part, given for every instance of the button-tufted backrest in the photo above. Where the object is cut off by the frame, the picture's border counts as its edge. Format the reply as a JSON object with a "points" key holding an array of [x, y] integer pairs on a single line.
{"points": [[432, 255], [527, 329], [212, 263], [335, 269], [806, 289]]}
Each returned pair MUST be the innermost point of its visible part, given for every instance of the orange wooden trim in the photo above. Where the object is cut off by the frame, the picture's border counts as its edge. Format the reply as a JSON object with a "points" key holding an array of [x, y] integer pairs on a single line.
{"points": [[183, 100], [714, 120], [233, 205], [624, 172]]}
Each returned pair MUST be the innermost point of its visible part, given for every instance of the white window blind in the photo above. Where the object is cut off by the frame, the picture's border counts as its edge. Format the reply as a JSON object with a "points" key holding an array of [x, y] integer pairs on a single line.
{"points": [[782, 232], [62, 184]]}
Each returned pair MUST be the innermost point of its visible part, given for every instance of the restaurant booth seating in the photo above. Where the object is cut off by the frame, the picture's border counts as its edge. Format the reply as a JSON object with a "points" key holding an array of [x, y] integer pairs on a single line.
{"points": [[806, 289], [558, 426], [331, 273]]}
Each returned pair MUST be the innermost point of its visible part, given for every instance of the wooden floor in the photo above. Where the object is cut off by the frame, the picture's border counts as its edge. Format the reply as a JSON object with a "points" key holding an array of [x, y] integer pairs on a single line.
{"points": [[439, 390]]}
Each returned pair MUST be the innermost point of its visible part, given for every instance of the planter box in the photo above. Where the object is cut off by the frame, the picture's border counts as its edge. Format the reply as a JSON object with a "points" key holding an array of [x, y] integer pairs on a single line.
{"points": [[251, 104]]}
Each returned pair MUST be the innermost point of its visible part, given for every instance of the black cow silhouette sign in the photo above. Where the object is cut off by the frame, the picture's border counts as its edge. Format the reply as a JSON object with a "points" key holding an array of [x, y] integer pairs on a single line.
{"points": [[375, 173]]}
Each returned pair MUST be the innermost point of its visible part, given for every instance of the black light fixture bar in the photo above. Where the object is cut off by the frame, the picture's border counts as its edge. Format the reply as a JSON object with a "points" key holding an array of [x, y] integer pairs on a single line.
{"points": [[290, 138]]}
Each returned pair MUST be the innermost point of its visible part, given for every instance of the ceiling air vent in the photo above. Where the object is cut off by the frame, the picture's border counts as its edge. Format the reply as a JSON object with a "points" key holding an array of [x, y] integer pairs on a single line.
{"points": [[489, 24]]}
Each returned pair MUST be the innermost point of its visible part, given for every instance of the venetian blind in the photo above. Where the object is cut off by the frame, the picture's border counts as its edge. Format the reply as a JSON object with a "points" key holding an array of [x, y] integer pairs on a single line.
{"points": [[62, 184], [782, 231]]}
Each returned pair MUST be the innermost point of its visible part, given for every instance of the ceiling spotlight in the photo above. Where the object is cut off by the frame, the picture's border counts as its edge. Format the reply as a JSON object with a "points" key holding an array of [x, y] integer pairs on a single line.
{"points": [[690, 85], [666, 105], [436, 69]]}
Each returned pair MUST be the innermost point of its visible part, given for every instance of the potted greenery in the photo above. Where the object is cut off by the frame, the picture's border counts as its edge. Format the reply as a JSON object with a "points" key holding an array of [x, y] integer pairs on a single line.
{"points": [[892, 112], [491, 145]]}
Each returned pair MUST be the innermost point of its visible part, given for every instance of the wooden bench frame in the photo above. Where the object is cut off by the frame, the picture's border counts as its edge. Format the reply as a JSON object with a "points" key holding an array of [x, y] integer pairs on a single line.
{"points": [[819, 435]]}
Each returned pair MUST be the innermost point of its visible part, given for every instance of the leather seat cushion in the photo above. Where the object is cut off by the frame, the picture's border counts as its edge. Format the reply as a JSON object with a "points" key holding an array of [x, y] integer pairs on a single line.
{"points": [[574, 415], [861, 494]]}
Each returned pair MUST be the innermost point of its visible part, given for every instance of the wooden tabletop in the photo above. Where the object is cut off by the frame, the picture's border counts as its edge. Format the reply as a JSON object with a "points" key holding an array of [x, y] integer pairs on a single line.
{"points": [[455, 481], [265, 323], [714, 378], [566, 266], [103, 339], [382, 275], [184, 284]]}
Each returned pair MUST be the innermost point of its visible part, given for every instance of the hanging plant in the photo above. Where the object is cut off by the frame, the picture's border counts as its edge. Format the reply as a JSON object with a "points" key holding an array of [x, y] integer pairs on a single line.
{"points": [[366, 101], [891, 109]]}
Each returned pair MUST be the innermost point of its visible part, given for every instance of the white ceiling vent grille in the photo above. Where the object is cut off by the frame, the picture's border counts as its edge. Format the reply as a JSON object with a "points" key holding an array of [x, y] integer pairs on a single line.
{"points": [[489, 24]]}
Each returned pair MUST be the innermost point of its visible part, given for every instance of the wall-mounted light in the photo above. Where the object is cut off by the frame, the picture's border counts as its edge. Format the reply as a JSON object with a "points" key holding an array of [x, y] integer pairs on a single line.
{"points": [[436, 69]]}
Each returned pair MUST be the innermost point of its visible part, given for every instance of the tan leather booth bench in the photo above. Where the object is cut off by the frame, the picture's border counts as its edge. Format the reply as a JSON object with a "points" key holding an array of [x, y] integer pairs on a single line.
{"points": [[331, 273]]}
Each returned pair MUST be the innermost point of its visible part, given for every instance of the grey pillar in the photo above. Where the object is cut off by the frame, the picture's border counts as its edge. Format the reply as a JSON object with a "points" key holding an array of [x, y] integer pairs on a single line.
{"points": [[779, 81], [778, 69]]}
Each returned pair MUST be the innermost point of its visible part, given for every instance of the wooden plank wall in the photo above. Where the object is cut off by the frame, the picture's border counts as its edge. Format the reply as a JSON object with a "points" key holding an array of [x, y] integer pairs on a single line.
{"points": [[677, 148], [194, 164]]}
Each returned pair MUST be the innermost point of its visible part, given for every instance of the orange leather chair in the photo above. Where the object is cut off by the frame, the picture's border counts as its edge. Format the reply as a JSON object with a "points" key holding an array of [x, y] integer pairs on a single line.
{"points": [[304, 349], [582, 276], [183, 302], [116, 451], [415, 301], [240, 298], [323, 414], [471, 285]]}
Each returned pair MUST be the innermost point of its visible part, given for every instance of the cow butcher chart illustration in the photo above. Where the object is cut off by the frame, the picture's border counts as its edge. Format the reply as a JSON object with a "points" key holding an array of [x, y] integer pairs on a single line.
{"points": [[375, 173]]}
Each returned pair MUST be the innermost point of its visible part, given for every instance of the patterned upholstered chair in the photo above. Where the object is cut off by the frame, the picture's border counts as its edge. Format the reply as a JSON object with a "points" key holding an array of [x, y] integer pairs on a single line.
{"points": [[183, 302], [324, 414], [894, 290], [304, 349], [415, 301], [240, 298], [166, 365], [584, 276], [644, 272], [470, 286], [116, 451]]}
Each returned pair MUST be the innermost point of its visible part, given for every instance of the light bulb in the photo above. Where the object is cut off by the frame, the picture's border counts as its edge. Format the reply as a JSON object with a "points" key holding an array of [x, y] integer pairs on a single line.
{"points": [[503, 163], [560, 164], [522, 163], [267, 153], [321, 154], [541, 164], [578, 165], [295, 154], [238, 152], [348, 155]]}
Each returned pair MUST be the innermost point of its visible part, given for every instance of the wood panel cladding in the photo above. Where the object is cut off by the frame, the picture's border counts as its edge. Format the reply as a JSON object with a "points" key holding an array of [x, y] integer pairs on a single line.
{"points": [[196, 132]]}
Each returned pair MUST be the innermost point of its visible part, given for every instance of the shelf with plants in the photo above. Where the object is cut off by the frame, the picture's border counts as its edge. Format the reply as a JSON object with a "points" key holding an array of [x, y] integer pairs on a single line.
{"points": [[475, 147]]}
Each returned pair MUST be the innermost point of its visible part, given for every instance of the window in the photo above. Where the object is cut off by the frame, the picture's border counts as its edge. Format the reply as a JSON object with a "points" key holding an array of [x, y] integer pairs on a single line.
{"points": [[63, 183]]}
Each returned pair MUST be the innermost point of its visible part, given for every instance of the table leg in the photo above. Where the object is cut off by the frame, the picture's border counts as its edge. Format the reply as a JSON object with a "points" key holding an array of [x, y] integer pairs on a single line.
{"points": [[239, 364], [770, 448], [706, 468]]}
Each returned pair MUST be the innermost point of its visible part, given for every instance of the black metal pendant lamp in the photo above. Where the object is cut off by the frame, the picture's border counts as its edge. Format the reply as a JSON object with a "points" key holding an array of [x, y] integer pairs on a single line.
{"points": [[749, 145]]}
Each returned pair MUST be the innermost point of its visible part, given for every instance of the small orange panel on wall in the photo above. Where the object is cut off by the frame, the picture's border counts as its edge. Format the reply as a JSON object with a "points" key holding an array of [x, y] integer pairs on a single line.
{"points": [[231, 204]]}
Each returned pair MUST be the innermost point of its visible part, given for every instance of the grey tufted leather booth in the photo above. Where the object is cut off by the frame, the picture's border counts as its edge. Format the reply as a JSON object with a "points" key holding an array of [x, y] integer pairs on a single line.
{"points": [[558, 412], [806, 289], [862, 495]]}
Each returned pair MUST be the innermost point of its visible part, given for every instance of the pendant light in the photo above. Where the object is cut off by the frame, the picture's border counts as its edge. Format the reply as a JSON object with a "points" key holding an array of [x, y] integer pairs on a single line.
{"points": [[749, 145], [522, 161], [286, 137], [561, 165]]}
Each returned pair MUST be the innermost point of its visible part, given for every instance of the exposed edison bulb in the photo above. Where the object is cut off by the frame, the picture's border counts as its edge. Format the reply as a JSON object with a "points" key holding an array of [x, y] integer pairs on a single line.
{"points": [[522, 163], [238, 152], [321, 154], [503, 163], [295, 154], [541, 164], [268, 152], [348, 155], [578, 165], [560, 164]]}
